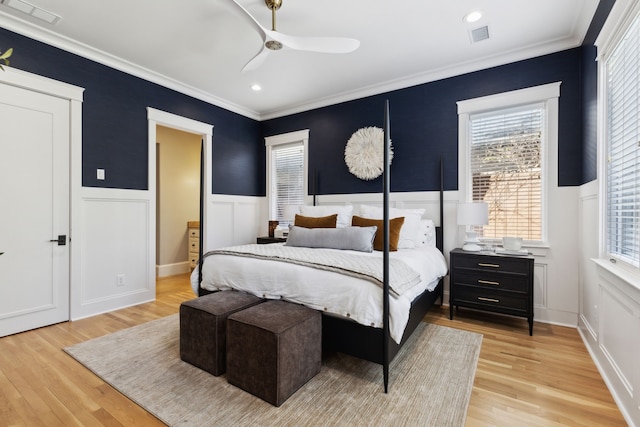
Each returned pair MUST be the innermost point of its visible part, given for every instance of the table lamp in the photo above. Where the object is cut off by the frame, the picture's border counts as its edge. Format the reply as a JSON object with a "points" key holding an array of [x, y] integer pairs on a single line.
{"points": [[470, 214]]}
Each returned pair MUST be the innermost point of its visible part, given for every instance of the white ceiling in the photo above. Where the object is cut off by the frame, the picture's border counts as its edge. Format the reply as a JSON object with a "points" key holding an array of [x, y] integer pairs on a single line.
{"points": [[199, 46]]}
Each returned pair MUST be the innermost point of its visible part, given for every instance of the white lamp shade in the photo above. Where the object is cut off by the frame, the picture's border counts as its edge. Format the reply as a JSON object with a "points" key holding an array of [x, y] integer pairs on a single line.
{"points": [[473, 213]]}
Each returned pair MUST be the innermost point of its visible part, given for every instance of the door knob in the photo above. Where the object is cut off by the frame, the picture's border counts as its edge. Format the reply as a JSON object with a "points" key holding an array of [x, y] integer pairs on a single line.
{"points": [[61, 240]]}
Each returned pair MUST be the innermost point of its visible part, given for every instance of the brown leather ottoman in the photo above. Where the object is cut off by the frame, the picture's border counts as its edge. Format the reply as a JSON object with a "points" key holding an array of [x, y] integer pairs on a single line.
{"points": [[203, 328], [273, 349]]}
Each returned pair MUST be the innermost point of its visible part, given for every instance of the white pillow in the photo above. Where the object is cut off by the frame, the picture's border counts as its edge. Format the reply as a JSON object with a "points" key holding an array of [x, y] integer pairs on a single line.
{"points": [[410, 236], [344, 213], [427, 233], [350, 238]]}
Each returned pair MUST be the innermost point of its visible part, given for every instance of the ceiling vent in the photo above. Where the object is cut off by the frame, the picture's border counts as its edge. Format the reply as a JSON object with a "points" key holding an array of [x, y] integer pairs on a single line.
{"points": [[32, 10], [479, 34]]}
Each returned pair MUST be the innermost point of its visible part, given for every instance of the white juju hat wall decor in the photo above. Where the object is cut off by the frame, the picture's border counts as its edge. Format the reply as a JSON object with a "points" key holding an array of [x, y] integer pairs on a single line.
{"points": [[365, 151]]}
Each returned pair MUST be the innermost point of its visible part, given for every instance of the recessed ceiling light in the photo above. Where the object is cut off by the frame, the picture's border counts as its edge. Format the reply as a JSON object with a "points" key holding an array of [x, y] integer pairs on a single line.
{"points": [[256, 87], [472, 16]]}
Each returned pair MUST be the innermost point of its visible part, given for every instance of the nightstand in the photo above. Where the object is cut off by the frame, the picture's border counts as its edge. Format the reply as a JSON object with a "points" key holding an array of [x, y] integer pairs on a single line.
{"points": [[266, 239], [492, 282]]}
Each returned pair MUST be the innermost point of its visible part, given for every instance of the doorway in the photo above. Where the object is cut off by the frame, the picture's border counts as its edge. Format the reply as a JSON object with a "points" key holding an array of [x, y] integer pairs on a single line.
{"points": [[178, 199], [199, 130]]}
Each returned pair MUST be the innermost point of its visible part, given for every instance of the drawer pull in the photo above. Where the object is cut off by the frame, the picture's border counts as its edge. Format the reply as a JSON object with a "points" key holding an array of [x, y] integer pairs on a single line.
{"points": [[488, 282], [482, 264], [488, 299]]}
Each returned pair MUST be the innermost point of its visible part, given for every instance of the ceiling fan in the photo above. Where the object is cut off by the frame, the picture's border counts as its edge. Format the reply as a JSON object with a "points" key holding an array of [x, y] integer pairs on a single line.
{"points": [[274, 40]]}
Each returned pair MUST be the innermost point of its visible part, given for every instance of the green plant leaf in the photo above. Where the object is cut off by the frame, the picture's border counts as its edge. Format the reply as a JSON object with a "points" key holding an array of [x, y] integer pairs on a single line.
{"points": [[6, 54]]}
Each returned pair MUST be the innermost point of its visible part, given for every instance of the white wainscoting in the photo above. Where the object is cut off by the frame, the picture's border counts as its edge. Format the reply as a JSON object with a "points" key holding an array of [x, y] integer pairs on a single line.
{"points": [[615, 345], [117, 238], [234, 220], [609, 321]]}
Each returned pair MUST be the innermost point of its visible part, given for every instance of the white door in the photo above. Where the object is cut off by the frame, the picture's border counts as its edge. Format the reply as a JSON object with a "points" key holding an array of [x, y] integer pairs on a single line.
{"points": [[34, 209]]}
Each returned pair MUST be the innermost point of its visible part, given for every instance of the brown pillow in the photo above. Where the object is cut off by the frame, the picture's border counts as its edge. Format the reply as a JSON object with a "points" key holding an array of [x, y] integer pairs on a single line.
{"points": [[316, 221], [395, 225]]}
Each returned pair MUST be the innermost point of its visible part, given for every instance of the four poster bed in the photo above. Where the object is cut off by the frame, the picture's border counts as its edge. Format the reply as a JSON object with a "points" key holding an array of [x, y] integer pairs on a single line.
{"points": [[371, 301]]}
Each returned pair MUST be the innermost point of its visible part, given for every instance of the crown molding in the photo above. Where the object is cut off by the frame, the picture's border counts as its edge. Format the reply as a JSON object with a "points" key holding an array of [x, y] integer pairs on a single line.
{"points": [[43, 35]]}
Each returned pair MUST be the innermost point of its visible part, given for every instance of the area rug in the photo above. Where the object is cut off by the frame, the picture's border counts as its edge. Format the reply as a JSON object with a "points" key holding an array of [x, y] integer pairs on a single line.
{"points": [[430, 382]]}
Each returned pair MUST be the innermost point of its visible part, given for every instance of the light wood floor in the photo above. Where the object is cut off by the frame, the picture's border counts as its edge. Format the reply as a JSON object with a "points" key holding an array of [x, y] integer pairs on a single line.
{"points": [[544, 380]]}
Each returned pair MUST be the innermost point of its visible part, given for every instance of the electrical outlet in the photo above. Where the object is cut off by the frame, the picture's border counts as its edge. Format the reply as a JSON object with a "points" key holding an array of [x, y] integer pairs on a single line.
{"points": [[120, 280]]}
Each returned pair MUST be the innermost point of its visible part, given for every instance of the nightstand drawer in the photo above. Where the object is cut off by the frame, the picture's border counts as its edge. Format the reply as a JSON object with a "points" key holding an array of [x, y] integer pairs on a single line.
{"points": [[493, 280], [493, 263], [496, 301]]}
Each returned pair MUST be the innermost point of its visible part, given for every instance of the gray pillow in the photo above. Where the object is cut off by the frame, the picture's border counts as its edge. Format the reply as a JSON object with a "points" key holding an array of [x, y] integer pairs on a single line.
{"points": [[352, 238]]}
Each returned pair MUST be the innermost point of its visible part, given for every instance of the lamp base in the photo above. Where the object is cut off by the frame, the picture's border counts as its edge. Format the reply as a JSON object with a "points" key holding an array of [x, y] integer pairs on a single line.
{"points": [[471, 247], [471, 242]]}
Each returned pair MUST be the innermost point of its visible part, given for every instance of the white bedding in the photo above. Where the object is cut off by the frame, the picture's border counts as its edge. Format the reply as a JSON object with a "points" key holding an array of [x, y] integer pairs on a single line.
{"points": [[332, 292]]}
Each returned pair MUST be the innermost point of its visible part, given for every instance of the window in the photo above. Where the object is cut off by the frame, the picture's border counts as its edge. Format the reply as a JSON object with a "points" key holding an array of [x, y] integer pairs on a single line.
{"points": [[286, 173], [503, 142], [505, 160], [622, 145]]}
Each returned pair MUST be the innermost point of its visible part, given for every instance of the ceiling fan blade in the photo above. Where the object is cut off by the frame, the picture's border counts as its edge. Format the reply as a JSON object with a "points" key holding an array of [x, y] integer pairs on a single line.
{"points": [[257, 60], [250, 19], [317, 44]]}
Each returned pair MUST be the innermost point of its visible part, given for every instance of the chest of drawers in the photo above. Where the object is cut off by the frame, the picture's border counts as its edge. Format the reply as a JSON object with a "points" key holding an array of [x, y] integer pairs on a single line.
{"points": [[193, 228], [492, 282]]}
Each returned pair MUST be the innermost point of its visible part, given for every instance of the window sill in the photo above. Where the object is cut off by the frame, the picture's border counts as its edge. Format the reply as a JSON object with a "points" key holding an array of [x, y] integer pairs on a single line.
{"points": [[628, 275]]}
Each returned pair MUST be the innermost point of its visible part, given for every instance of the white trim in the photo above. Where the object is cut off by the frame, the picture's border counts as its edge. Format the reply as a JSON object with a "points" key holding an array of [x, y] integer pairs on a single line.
{"points": [[522, 53], [36, 83], [287, 138], [65, 43], [510, 99], [174, 269], [620, 18], [622, 15], [74, 94], [547, 93], [163, 118]]}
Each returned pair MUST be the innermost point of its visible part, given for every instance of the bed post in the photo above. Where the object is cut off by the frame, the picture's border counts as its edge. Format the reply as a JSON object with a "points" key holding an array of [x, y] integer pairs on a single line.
{"points": [[440, 235], [201, 237], [315, 185], [439, 241], [385, 289]]}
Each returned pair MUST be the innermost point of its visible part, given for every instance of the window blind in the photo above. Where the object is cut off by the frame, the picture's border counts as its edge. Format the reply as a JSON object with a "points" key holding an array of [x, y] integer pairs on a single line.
{"points": [[506, 170], [623, 145], [287, 183]]}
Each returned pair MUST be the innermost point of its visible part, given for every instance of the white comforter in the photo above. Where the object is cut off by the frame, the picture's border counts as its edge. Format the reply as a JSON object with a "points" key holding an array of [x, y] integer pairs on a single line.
{"points": [[329, 291]]}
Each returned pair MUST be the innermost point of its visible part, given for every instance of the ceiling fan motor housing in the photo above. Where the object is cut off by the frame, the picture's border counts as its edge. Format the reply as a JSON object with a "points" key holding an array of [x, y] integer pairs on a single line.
{"points": [[273, 4], [273, 45]]}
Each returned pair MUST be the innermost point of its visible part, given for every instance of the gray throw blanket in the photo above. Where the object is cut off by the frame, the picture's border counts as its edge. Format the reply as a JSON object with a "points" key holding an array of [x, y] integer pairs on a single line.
{"points": [[401, 276]]}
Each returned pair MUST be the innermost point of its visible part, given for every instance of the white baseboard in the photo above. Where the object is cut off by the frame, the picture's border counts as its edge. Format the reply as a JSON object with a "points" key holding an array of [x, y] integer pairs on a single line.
{"points": [[167, 270]]}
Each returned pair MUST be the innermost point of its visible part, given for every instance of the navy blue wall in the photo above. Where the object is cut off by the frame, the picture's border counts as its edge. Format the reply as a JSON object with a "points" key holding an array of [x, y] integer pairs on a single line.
{"points": [[424, 125], [589, 114], [424, 122], [590, 92], [114, 124]]}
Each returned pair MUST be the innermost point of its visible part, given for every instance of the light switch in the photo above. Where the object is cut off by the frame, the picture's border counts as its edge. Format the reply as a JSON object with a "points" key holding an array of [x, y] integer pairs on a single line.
{"points": [[100, 174]]}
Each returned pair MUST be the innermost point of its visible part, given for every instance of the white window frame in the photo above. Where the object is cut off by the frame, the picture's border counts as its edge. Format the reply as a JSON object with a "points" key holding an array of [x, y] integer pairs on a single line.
{"points": [[548, 95], [301, 136], [620, 19]]}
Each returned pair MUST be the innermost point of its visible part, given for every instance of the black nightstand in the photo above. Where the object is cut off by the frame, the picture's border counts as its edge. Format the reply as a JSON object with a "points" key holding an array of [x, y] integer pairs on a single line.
{"points": [[266, 239], [492, 282]]}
